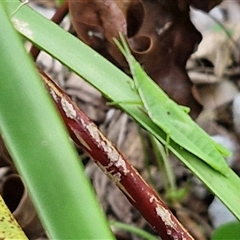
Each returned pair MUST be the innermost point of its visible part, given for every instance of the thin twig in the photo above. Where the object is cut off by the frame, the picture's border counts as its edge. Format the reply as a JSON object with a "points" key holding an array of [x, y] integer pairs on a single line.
{"points": [[57, 18], [86, 134]]}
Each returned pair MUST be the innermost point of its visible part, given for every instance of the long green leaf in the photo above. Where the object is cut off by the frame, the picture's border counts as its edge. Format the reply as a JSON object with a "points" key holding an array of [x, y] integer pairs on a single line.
{"points": [[41, 148], [114, 84]]}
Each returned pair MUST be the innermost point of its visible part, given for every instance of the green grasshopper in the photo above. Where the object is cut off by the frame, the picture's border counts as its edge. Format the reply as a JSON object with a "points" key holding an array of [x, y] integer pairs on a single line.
{"points": [[172, 118]]}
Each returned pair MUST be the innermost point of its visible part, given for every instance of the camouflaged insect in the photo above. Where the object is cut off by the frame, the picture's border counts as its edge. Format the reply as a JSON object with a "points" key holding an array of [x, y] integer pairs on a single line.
{"points": [[172, 118]]}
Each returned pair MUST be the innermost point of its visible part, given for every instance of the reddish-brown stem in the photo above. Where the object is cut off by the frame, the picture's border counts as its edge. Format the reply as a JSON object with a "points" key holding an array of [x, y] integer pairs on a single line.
{"points": [[86, 134], [57, 18]]}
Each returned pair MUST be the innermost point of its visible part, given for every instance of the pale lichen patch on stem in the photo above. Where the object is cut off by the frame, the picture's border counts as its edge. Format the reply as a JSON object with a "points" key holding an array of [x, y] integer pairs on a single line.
{"points": [[68, 109], [116, 178], [114, 157], [54, 96], [152, 199], [165, 215]]}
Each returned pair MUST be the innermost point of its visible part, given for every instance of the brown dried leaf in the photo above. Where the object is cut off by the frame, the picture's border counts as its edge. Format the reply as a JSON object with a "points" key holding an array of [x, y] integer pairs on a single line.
{"points": [[216, 47], [160, 34], [19, 203], [97, 22], [172, 38], [205, 5]]}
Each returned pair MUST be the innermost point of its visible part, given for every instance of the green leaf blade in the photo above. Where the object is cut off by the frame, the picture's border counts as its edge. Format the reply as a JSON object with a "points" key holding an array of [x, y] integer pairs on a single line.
{"points": [[41, 149]]}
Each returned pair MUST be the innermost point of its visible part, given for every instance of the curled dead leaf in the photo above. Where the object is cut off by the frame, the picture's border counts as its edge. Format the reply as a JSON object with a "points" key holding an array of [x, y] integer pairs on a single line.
{"points": [[18, 201], [160, 34], [205, 5]]}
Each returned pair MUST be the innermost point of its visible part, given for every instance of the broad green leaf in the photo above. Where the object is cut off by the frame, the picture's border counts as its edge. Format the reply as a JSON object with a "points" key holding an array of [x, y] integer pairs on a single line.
{"points": [[40, 146], [229, 231]]}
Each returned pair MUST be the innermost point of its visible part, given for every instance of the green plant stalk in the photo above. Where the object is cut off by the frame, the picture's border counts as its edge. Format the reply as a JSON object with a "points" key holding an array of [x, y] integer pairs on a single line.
{"points": [[162, 160], [137, 231], [146, 157], [173, 194], [59, 2], [41, 149], [114, 84]]}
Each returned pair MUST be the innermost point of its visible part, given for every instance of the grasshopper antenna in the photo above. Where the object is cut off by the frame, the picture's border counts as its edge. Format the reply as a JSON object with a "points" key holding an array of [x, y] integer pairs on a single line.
{"points": [[23, 2], [122, 45]]}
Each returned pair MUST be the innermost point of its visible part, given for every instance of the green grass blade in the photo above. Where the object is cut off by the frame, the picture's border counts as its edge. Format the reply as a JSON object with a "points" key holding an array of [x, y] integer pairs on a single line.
{"points": [[132, 229], [115, 85], [41, 149]]}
